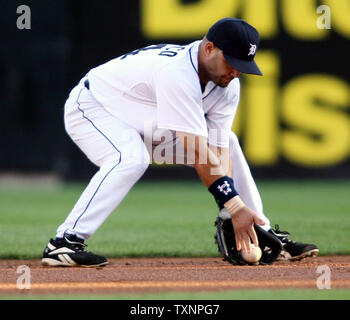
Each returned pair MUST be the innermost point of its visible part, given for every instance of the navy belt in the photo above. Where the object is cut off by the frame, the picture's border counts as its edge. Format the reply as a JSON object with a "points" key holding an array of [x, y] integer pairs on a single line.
{"points": [[87, 84]]}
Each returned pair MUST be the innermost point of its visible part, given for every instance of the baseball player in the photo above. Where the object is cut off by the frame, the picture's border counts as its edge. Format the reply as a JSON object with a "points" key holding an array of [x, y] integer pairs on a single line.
{"points": [[120, 112]]}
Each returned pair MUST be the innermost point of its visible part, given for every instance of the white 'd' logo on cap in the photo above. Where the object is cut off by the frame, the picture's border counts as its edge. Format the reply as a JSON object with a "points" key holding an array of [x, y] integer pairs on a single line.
{"points": [[252, 49]]}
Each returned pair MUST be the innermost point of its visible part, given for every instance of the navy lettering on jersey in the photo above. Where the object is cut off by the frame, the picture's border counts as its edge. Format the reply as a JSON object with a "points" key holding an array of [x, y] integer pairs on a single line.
{"points": [[152, 47], [170, 51]]}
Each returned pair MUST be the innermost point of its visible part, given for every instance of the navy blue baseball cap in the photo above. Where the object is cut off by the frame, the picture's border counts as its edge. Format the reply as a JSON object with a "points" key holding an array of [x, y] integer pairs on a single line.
{"points": [[238, 41]]}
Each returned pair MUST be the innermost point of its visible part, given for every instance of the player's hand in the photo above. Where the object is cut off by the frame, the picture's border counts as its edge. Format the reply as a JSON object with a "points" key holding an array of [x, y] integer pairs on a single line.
{"points": [[243, 223]]}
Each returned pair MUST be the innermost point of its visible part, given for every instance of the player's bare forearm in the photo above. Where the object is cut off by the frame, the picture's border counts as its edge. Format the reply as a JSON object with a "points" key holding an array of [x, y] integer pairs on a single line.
{"points": [[225, 159], [211, 163], [221, 166]]}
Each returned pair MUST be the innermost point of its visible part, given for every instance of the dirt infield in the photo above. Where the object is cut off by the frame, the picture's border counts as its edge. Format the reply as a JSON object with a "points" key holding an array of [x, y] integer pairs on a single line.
{"points": [[136, 275]]}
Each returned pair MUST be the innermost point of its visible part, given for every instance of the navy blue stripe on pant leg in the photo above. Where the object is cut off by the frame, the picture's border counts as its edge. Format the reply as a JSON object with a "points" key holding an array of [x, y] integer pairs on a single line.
{"points": [[120, 157]]}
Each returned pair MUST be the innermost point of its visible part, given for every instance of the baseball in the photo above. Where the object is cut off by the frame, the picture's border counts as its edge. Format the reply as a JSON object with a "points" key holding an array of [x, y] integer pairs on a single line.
{"points": [[254, 256]]}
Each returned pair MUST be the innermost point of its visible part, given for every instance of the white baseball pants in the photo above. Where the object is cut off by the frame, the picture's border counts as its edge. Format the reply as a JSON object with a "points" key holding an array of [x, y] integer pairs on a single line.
{"points": [[122, 157]]}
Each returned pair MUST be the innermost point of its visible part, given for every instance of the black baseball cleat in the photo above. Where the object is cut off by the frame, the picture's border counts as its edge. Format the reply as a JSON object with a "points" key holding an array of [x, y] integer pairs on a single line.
{"points": [[70, 251], [296, 250]]}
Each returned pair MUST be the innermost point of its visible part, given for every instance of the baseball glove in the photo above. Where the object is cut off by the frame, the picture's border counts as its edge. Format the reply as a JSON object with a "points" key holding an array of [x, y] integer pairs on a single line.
{"points": [[270, 245]]}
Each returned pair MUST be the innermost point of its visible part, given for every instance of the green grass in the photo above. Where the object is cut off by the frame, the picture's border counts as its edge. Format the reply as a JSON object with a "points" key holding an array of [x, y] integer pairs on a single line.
{"points": [[172, 219], [284, 294]]}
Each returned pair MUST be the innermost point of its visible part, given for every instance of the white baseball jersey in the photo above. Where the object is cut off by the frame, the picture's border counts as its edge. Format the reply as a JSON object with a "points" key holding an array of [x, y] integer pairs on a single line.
{"points": [[159, 84]]}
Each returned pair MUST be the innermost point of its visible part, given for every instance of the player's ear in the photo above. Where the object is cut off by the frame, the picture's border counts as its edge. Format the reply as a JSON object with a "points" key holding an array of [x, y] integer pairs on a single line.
{"points": [[209, 48]]}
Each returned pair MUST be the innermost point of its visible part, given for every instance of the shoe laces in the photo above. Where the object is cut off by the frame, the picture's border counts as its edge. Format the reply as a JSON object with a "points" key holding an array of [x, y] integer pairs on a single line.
{"points": [[283, 235], [78, 246], [277, 230]]}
